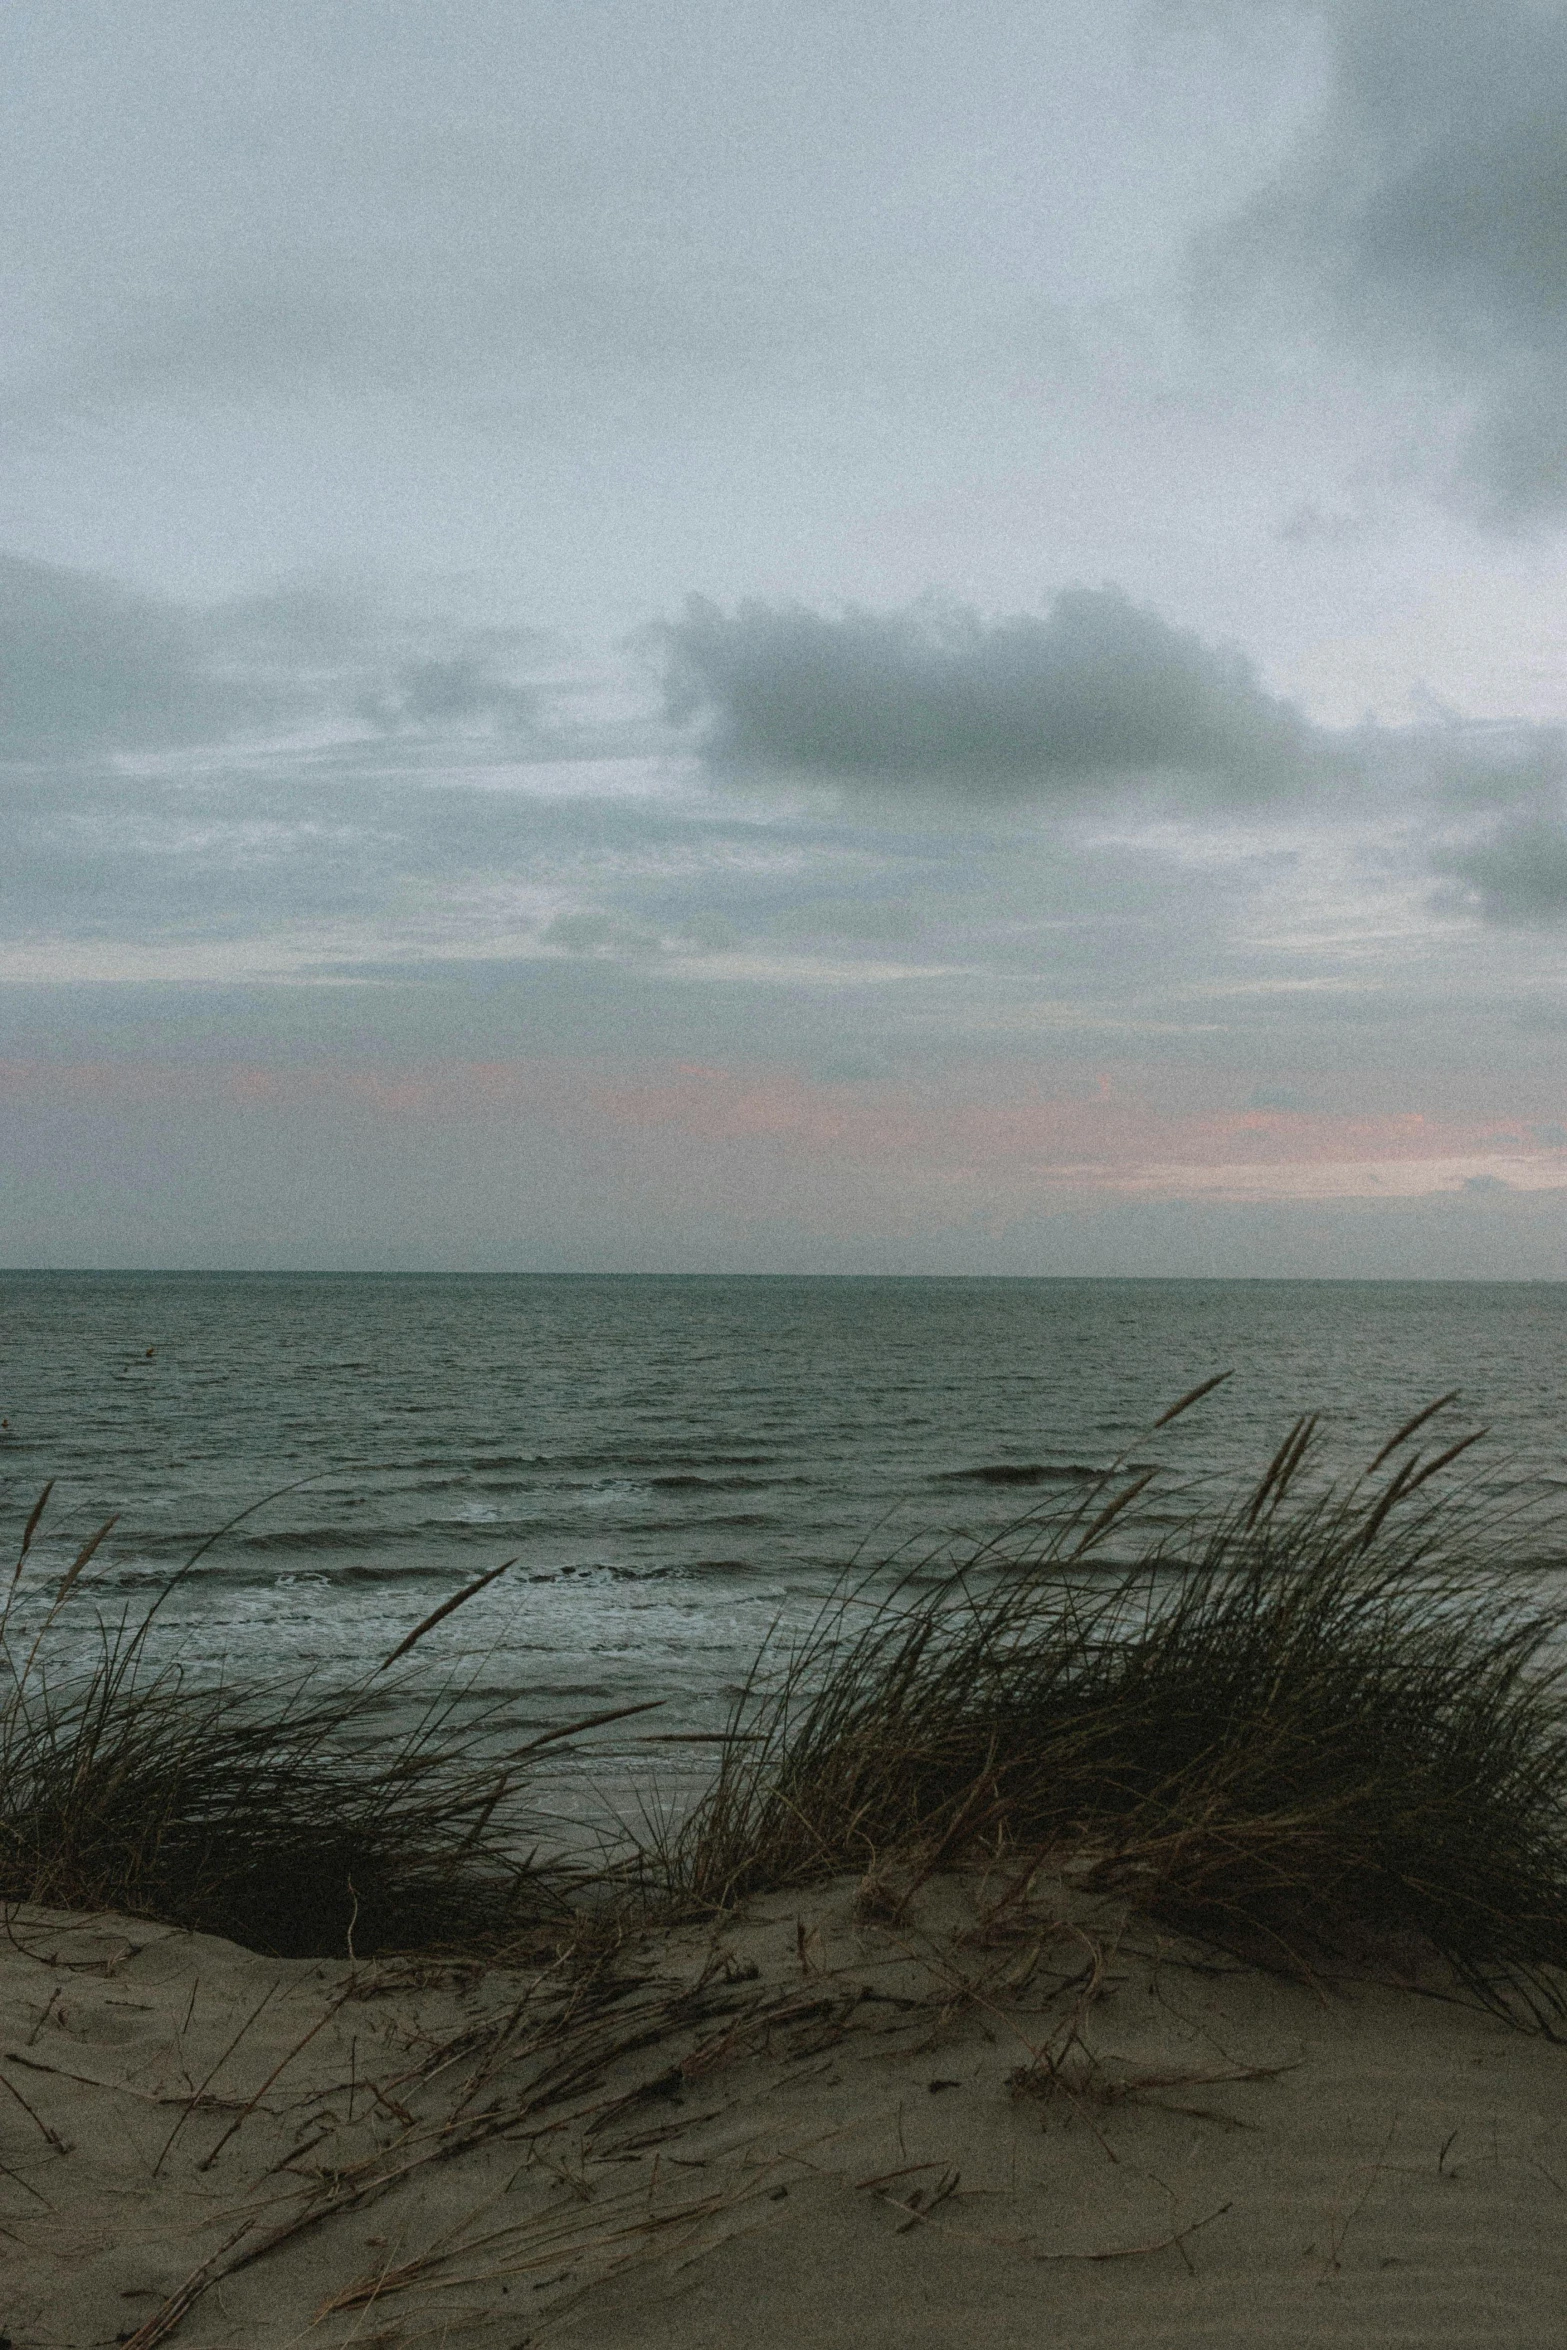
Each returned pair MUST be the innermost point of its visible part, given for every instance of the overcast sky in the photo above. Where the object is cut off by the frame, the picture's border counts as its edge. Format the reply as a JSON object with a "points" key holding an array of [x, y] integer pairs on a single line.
{"points": [[855, 635]]}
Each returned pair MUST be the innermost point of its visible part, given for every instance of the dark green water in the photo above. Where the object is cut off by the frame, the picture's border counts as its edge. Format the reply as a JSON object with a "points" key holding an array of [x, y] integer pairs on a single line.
{"points": [[674, 1462]]}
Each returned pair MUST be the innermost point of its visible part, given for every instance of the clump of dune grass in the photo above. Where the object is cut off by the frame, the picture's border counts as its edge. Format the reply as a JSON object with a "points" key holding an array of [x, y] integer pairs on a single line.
{"points": [[1320, 1713], [282, 1815]]}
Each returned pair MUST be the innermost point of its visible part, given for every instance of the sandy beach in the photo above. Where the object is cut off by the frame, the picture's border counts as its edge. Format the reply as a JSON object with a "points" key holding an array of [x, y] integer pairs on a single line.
{"points": [[992, 2109]]}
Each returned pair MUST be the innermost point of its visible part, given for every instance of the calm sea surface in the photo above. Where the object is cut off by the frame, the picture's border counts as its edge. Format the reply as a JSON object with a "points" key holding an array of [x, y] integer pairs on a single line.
{"points": [[674, 1463]]}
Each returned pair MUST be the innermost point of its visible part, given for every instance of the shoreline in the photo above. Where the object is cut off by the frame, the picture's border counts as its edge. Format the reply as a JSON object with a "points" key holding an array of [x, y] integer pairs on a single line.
{"points": [[858, 2115]]}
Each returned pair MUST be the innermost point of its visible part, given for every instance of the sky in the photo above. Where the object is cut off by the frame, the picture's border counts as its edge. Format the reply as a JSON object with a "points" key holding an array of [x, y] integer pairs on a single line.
{"points": [[866, 636]]}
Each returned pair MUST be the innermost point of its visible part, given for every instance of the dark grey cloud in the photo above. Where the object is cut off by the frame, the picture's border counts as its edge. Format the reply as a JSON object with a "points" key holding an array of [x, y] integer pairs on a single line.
{"points": [[84, 663], [1495, 799], [87, 665], [1099, 692], [1515, 767], [456, 692], [1423, 222], [1518, 876]]}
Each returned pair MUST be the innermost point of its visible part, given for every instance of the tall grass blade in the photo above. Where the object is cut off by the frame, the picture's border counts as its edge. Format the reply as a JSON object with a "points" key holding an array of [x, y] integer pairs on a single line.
{"points": [[1193, 1395], [1402, 1435], [446, 1608], [31, 1528]]}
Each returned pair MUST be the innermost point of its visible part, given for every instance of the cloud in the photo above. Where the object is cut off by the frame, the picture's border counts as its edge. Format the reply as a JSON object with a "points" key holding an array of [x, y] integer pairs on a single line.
{"points": [[1498, 795], [318, 859], [1100, 692], [257, 328], [441, 695], [601, 934], [89, 665], [86, 664], [1310, 525], [1422, 222], [1518, 876], [1514, 766], [1279, 1097]]}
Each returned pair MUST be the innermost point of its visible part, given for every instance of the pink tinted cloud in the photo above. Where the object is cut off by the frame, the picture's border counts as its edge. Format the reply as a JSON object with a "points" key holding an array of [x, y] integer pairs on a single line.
{"points": [[1001, 1142], [422, 1091], [1109, 1140]]}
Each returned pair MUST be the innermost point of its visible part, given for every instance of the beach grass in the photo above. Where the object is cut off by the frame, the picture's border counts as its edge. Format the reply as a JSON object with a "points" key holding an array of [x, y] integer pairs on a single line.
{"points": [[286, 1815], [1319, 1719]]}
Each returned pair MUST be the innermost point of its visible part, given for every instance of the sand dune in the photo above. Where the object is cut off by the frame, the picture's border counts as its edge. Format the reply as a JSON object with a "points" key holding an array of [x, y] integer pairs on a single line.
{"points": [[999, 2115]]}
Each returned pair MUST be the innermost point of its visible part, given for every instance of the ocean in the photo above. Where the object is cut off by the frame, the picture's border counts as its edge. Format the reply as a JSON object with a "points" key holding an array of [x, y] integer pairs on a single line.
{"points": [[675, 1464]]}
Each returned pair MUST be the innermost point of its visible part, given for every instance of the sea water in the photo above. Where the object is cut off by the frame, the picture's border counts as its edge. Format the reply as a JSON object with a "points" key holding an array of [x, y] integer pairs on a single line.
{"points": [[676, 1465]]}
